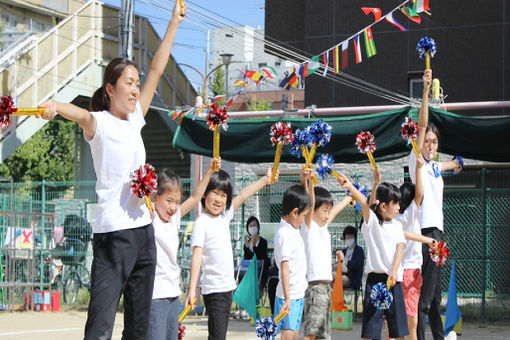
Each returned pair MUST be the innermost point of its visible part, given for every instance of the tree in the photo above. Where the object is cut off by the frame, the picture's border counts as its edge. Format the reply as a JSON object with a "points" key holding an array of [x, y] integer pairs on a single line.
{"points": [[218, 84], [259, 105], [48, 155]]}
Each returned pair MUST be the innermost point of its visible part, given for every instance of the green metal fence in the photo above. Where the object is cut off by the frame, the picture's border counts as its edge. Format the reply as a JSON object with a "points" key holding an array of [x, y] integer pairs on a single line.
{"points": [[477, 229]]}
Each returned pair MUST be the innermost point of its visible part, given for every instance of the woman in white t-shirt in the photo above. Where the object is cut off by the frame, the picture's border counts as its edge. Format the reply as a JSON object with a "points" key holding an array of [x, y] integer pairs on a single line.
{"points": [[164, 312], [212, 249], [123, 241], [431, 214]]}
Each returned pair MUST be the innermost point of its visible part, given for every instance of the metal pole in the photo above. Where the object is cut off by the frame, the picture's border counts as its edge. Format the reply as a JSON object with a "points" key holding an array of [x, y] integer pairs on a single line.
{"points": [[206, 70], [126, 29], [484, 238], [226, 82]]}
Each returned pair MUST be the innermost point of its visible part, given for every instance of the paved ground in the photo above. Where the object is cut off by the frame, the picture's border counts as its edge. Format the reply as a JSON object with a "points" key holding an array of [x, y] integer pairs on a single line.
{"points": [[68, 324]]}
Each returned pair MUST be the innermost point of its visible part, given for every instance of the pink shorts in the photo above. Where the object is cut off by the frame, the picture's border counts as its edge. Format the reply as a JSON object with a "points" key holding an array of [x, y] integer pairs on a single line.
{"points": [[412, 287]]}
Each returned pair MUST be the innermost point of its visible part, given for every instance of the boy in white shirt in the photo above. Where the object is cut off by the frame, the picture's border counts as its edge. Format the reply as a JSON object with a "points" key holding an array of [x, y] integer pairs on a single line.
{"points": [[317, 308], [289, 253]]}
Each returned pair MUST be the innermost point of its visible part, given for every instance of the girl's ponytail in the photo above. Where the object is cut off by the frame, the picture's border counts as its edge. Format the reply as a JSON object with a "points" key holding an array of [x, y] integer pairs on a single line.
{"points": [[100, 100]]}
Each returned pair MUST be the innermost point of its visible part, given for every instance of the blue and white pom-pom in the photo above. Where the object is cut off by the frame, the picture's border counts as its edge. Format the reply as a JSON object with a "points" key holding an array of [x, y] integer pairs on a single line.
{"points": [[302, 138], [425, 45], [380, 296], [461, 162], [321, 132], [324, 164], [266, 328], [362, 189]]}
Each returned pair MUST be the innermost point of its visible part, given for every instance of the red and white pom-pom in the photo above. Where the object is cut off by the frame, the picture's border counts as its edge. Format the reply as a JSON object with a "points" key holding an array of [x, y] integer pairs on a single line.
{"points": [[181, 331], [144, 181], [440, 253], [216, 116], [410, 129], [365, 142], [281, 132], [7, 108]]}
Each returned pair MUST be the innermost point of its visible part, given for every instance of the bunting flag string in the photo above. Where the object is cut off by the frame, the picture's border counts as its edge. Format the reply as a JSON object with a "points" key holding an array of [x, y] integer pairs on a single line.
{"points": [[325, 61], [375, 11], [389, 18], [345, 55], [369, 43], [336, 60], [357, 49]]}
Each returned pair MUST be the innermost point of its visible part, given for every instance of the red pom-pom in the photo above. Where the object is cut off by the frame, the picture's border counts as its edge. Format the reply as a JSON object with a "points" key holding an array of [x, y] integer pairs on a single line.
{"points": [[182, 331], [409, 129], [365, 142], [281, 132], [7, 108], [144, 181], [217, 115], [440, 253]]}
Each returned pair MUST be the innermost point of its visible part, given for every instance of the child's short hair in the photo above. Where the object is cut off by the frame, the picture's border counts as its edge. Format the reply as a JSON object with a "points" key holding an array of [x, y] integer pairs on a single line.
{"points": [[220, 180], [295, 197], [166, 180], [407, 192], [350, 230], [322, 196], [386, 193]]}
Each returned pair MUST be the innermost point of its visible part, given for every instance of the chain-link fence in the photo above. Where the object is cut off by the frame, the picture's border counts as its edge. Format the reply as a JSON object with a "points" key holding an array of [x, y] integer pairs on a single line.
{"points": [[477, 222]]}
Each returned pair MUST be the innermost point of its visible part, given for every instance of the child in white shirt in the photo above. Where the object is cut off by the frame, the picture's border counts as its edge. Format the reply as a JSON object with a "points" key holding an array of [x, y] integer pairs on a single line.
{"points": [[164, 313], [212, 249]]}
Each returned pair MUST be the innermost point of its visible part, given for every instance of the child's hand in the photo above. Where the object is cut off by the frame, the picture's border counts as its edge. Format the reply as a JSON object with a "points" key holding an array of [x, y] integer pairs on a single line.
{"points": [[419, 162], [286, 306], [51, 109], [392, 279], [431, 242], [190, 298], [344, 182], [340, 255], [305, 175], [377, 176], [427, 80], [214, 161], [458, 166], [268, 176], [179, 12]]}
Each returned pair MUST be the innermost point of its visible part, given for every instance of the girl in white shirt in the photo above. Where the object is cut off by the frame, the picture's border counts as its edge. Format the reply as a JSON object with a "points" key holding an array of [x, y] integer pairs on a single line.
{"points": [[212, 249], [164, 312], [123, 240], [385, 243]]}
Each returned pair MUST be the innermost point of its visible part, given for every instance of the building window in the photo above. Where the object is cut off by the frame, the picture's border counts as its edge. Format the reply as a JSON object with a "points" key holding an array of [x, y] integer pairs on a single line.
{"points": [[10, 22], [261, 65], [277, 63], [415, 87]]}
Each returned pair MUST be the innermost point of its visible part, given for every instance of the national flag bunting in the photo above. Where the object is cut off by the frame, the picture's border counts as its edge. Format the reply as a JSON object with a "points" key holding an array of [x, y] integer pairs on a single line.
{"points": [[269, 71], [369, 42], [345, 60], [389, 18], [290, 81], [325, 61], [357, 49], [253, 75], [410, 15], [376, 11], [241, 82], [336, 59]]}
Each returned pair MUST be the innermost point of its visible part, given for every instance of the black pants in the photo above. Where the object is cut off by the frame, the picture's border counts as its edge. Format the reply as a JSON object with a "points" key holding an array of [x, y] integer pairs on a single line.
{"points": [[124, 263], [217, 306], [430, 296], [272, 283]]}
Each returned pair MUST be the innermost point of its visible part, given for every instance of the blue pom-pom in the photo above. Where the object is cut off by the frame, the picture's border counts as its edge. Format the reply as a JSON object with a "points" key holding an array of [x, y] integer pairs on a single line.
{"points": [[302, 138], [425, 45], [380, 296], [321, 132], [362, 189], [266, 328], [461, 162], [324, 164]]}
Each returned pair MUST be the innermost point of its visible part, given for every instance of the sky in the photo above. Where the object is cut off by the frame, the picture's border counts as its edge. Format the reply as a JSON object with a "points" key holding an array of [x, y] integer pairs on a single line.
{"points": [[190, 42]]}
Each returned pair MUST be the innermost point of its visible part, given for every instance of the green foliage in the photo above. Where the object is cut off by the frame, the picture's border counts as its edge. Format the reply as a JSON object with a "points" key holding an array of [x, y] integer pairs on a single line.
{"points": [[259, 105], [218, 84], [47, 155]]}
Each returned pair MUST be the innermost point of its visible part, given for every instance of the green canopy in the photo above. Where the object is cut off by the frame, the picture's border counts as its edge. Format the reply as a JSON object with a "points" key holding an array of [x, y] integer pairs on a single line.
{"points": [[247, 141]]}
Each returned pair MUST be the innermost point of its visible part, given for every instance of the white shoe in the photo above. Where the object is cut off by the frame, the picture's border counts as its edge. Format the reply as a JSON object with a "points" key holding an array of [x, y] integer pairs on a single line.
{"points": [[245, 315], [451, 336], [237, 315]]}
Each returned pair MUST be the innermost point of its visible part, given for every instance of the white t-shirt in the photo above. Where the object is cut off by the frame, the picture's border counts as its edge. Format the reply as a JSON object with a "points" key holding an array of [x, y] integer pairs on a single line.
{"points": [[413, 257], [381, 242], [117, 150], [431, 211], [289, 246], [212, 234], [318, 252], [168, 273]]}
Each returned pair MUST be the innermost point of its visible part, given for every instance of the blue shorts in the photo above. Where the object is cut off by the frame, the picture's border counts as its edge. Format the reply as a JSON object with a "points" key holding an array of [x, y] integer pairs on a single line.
{"points": [[293, 320]]}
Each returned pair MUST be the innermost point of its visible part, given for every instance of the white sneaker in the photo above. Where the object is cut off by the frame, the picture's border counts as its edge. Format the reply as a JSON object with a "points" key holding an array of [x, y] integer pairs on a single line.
{"points": [[245, 315], [237, 315], [451, 336]]}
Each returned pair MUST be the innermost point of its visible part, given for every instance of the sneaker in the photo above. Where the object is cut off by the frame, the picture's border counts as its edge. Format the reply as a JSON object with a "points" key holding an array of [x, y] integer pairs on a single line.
{"points": [[237, 315], [245, 315]]}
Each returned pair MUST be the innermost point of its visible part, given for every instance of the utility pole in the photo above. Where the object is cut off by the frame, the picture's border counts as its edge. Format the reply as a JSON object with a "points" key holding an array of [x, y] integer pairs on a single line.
{"points": [[126, 29]]}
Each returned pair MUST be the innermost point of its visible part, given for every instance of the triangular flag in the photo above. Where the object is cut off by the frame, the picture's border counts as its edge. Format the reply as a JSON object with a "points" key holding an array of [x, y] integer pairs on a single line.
{"points": [[414, 17], [247, 293], [420, 6], [345, 60], [313, 64], [453, 313], [269, 71], [389, 18], [357, 49], [325, 61], [376, 11], [369, 42]]}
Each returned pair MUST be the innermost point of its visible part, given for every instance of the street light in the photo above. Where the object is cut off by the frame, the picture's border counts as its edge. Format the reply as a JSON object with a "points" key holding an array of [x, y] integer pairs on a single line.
{"points": [[204, 78], [226, 59]]}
